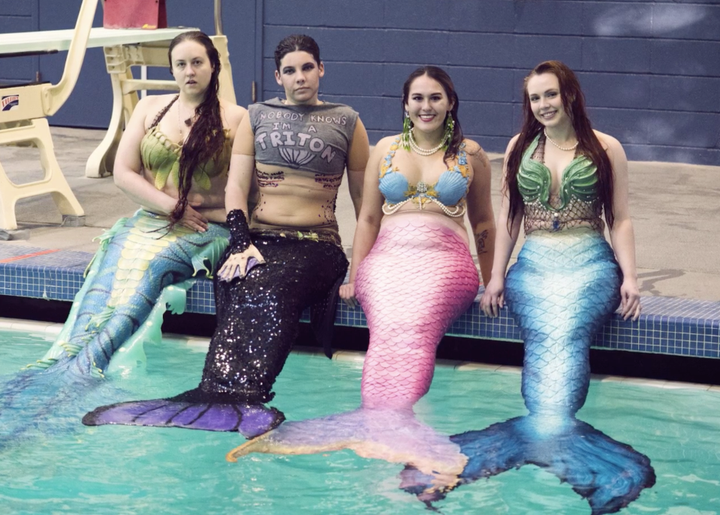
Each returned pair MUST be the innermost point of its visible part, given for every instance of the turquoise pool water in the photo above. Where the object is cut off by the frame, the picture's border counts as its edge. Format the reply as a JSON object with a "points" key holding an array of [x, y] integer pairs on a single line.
{"points": [[60, 466]]}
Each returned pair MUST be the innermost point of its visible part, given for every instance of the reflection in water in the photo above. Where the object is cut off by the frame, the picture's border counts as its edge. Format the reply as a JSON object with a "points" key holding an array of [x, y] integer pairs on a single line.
{"points": [[608, 473], [393, 435]]}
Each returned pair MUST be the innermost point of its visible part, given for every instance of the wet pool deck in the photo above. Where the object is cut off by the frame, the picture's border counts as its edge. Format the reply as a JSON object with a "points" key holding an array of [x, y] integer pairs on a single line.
{"points": [[675, 209]]}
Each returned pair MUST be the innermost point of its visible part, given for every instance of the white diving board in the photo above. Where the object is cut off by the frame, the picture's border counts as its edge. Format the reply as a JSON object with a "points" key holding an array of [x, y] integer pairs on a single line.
{"points": [[59, 40]]}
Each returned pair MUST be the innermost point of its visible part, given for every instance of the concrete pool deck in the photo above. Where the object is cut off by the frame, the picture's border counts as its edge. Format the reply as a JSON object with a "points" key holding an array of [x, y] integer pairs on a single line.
{"points": [[675, 209]]}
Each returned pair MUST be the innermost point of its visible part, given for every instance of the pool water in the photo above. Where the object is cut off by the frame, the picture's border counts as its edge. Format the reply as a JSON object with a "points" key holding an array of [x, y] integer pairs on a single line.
{"points": [[61, 466]]}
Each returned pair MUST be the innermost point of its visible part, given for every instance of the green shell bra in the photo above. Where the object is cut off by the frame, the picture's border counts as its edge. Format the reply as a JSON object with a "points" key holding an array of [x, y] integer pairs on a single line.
{"points": [[577, 202], [161, 157], [578, 180]]}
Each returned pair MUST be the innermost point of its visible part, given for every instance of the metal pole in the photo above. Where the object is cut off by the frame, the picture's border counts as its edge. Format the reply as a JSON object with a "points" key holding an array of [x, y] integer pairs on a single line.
{"points": [[218, 18]]}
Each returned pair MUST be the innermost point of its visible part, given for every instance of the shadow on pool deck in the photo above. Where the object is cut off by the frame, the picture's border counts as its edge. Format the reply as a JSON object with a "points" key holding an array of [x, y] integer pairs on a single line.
{"points": [[675, 209]]}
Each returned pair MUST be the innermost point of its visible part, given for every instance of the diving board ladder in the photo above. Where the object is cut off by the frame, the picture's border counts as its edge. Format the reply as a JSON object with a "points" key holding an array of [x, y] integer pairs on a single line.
{"points": [[23, 112]]}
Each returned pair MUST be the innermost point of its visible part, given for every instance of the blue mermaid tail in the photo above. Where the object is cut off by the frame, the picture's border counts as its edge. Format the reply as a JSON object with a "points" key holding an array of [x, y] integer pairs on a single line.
{"points": [[561, 290], [140, 270], [608, 473]]}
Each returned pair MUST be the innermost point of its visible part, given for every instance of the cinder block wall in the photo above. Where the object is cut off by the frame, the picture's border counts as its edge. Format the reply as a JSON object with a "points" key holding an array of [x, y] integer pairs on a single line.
{"points": [[18, 16], [650, 69]]}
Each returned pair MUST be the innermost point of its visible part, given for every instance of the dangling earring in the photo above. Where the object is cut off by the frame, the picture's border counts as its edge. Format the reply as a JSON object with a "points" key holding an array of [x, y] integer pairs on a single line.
{"points": [[449, 130], [405, 137]]}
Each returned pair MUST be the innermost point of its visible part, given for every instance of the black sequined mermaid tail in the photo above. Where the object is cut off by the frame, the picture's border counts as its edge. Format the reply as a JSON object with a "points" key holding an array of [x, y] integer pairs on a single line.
{"points": [[257, 324], [561, 290]]}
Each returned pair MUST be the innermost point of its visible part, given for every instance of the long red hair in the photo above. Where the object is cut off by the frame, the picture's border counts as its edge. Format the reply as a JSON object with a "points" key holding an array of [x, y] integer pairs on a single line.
{"points": [[588, 143]]}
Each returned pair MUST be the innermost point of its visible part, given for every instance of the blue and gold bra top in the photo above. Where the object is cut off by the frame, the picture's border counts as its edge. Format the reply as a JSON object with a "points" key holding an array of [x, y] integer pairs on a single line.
{"points": [[576, 203], [449, 190]]}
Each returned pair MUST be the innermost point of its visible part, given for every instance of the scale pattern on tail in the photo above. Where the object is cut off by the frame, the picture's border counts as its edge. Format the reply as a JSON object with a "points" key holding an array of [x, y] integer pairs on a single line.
{"points": [[562, 288], [138, 258], [418, 278]]}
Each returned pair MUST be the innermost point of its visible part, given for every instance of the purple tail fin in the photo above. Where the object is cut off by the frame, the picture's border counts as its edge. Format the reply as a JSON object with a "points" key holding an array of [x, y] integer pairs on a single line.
{"points": [[190, 412]]}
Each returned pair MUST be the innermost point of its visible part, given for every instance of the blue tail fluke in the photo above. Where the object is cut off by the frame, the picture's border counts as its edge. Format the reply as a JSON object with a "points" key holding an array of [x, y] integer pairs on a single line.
{"points": [[191, 410], [609, 474]]}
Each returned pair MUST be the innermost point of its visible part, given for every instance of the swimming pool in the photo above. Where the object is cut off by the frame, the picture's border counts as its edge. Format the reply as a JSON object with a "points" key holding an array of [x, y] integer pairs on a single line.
{"points": [[61, 466]]}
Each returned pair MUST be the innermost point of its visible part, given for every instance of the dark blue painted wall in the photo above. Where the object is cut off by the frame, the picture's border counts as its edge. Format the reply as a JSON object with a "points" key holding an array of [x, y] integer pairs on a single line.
{"points": [[18, 16], [90, 103], [650, 69]]}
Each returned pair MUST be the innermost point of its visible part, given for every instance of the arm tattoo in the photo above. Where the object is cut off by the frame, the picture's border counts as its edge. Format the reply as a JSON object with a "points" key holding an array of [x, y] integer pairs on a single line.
{"points": [[480, 242]]}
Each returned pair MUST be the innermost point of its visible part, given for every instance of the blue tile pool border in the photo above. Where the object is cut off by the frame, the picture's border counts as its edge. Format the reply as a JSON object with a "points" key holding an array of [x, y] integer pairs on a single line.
{"points": [[668, 325]]}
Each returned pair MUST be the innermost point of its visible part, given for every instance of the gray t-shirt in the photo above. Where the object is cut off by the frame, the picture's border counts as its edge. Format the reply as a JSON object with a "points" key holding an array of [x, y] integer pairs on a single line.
{"points": [[314, 138]]}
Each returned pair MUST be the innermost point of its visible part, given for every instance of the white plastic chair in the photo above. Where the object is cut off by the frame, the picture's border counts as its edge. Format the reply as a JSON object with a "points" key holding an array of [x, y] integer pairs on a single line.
{"points": [[25, 120]]}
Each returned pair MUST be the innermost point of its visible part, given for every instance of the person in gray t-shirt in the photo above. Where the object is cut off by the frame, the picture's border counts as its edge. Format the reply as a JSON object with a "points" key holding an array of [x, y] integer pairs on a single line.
{"points": [[286, 258]]}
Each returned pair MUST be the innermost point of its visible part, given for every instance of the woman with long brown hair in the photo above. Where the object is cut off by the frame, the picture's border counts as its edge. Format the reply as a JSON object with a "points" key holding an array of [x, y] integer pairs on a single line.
{"points": [[561, 176], [173, 160]]}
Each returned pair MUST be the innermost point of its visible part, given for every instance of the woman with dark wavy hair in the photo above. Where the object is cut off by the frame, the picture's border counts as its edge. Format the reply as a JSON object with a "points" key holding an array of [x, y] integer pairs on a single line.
{"points": [[174, 155], [173, 160], [563, 188], [412, 270], [560, 177]]}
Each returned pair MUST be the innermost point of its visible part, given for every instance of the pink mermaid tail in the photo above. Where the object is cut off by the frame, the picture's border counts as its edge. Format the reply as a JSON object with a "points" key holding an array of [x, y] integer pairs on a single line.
{"points": [[393, 435], [418, 278]]}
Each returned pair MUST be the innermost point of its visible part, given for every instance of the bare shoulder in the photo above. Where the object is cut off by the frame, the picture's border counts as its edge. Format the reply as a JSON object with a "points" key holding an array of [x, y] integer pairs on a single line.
{"points": [[384, 144], [476, 155], [611, 145], [473, 148], [233, 112], [511, 143], [155, 102], [607, 141], [149, 107]]}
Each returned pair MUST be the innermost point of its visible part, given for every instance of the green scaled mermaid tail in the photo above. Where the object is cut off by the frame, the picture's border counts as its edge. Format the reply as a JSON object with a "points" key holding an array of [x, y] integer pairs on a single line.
{"points": [[140, 269]]}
